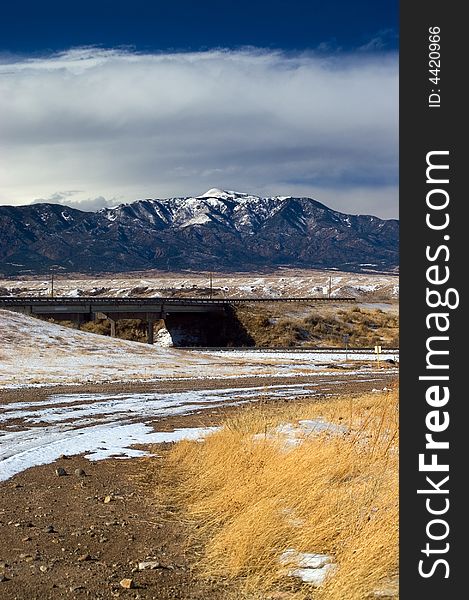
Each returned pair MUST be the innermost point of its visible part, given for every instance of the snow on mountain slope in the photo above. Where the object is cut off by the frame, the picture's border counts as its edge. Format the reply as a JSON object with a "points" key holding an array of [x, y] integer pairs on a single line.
{"points": [[235, 210], [218, 229]]}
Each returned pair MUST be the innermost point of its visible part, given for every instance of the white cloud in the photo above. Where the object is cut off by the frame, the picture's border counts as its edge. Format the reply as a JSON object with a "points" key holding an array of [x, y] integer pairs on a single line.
{"points": [[87, 204], [122, 126]]}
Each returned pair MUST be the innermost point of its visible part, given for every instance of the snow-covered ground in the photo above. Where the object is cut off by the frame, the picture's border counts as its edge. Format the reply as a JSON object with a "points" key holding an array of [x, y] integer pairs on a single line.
{"points": [[107, 425], [38, 353], [35, 352], [282, 283]]}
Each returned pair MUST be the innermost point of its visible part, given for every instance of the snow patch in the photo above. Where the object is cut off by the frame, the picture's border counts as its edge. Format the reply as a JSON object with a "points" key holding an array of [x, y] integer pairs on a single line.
{"points": [[310, 567], [293, 435], [21, 450]]}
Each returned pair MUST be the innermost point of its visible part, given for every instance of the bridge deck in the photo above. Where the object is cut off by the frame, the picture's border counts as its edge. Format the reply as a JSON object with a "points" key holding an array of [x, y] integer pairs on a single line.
{"points": [[149, 302]]}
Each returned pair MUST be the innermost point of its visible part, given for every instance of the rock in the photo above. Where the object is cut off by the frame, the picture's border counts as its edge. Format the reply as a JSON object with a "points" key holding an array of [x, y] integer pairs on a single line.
{"points": [[107, 499], [49, 529], [127, 583], [60, 472], [43, 568], [64, 457], [3, 578], [80, 473], [103, 540], [148, 564], [26, 539], [84, 557]]}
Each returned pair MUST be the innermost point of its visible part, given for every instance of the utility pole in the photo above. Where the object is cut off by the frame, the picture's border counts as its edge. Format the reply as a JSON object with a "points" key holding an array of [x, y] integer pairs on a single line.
{"points": [[53, 269]]}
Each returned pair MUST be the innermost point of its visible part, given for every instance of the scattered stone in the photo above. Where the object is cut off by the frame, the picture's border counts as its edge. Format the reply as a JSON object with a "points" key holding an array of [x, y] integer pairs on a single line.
{"points": [[80, 473], [103, 540], [127, 584], [84, 557], [107, 499], [148, 564], [26, 539], [60, 472], [43, 568], [49, 529]]}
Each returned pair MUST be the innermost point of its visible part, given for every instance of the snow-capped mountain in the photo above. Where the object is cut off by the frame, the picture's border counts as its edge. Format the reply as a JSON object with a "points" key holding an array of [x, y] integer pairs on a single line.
{"points": [[217, 230]]}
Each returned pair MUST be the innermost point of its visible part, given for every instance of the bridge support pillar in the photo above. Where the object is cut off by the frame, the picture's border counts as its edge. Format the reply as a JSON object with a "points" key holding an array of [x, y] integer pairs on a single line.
{"points": [[113, 327], [150, 325]]}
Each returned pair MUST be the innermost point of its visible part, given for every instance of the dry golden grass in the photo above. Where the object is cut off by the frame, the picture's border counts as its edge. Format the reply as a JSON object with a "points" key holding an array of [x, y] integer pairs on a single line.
{"points": [[319, 326], [270, 326], [253, 498], [126, 329]]}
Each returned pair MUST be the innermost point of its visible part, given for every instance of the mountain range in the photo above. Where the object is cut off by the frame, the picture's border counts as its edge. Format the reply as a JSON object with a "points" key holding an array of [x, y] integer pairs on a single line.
{"points": [[219, 230]]}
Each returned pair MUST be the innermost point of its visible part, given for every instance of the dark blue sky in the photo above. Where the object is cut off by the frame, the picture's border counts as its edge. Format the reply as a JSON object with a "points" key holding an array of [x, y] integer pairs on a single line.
{"points": [[35, 26]]}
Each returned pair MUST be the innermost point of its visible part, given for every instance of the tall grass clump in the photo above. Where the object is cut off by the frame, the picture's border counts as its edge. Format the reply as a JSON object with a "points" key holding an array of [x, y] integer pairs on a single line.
{"points": [[252, 495]]}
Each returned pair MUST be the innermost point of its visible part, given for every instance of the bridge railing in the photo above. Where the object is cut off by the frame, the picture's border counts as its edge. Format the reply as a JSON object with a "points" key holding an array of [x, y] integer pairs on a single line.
{"points": [[82, 300]]}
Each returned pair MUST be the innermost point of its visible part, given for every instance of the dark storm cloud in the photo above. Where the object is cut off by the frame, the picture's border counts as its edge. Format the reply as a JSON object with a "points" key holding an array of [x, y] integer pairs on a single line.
{"points": [[120, 126]]}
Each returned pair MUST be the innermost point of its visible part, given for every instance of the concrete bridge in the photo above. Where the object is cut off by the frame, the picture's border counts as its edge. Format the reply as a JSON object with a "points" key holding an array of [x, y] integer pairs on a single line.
{"points": [[187, 319]]}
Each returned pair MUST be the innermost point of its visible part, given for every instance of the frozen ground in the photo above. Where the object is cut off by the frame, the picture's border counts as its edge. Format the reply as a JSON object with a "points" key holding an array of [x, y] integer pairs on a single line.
{"points": [[35, 352], [284, 282], [107, 425]]}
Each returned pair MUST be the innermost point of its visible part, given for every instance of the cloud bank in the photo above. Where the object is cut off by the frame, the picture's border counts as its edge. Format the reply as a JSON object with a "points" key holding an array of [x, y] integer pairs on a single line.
{"points": [[111, 126]]}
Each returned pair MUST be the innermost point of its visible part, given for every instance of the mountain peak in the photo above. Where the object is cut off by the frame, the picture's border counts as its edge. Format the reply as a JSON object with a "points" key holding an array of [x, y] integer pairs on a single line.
{"points": [[221, 229], [219, 193]]}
